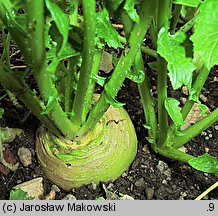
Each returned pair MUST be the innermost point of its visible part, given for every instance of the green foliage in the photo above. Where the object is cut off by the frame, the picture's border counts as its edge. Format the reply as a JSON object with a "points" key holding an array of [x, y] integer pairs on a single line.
{"points": [[205, 163], [100, 198], [130, 9], [62, 23], [106, 31], [180, 67], [190, 3], [9, 134], [137, 76], [113, 4], [172, 107], [205, 35], [1, 112], [19, 194], [100, 80], [17, 4], [61, 20], [111, 99]]}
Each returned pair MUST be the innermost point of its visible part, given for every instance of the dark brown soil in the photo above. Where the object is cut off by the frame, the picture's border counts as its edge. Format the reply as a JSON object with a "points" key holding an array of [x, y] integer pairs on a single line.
{"points": [[143, 180]]}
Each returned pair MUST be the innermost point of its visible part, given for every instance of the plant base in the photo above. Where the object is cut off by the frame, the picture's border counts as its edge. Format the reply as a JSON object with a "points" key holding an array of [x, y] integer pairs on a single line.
{"points": [[103, 154]]}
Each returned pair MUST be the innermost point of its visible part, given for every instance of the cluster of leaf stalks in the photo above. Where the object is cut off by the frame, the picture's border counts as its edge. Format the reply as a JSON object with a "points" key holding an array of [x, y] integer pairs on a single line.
{"points": [[63, 51]]}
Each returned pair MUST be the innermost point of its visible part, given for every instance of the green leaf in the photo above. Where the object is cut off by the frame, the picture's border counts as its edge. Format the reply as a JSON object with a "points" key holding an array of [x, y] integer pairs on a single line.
{"points": [[130, 9], [16, 25], [179, 133], [9, 134], [153, 65], [110, 98], [100, 198], [137, 76], [172, 107], [17, 4], [113, 102], [106, 31], [113, 4], [150, 140], [19, 194], [66, 53], [60, 18], [100, 80], [205, 163], [1, 112], [146, 126], [70, 114], [48, 39], [52, 100], [190, 3], [194, 95], [205, 37], [51, 54], [57, 49], [180, 67]]}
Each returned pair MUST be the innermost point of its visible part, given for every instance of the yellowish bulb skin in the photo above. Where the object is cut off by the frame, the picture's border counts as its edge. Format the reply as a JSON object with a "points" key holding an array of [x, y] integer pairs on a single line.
{"points": [[101, 155]]}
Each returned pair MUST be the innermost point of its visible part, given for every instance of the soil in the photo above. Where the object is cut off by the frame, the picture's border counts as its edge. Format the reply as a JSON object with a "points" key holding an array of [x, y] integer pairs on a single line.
{"points": [[150, 176]]}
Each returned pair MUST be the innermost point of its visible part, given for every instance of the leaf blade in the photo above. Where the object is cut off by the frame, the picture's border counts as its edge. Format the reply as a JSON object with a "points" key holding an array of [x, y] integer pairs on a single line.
{"points": [[179, 66], [61, 20], [205, 163], [130, 9], [205, 37], [172, 107], [190, 3], [106, 31], [19, 194]]}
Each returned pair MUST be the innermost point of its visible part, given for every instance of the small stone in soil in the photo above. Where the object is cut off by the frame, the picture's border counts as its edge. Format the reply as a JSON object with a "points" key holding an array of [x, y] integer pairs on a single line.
{"points": [[124, 174], [110, 186], [94, 186], [69, 197], [185, 90], [164, 169], [19, 181], [149, 193], [55, 188], [130, 178], [25, 156], [140, 183], [207, 149], [183, 194], [210, 135], [183, 100], [126, 197], [205, 197], [203, 133], [145, 149], [34, 188], [135, 163], [164, 182], [183, 149], [51, 195], [203, 98], [216, 127]]}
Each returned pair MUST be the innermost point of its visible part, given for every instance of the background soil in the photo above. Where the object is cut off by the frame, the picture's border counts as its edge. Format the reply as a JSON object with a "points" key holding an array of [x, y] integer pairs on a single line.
{"points": [[150, 176]]}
